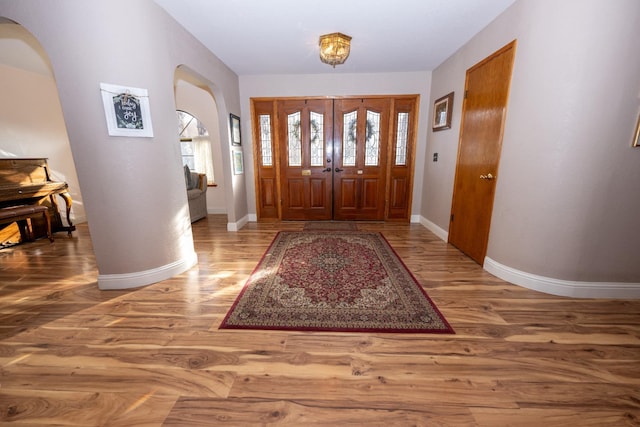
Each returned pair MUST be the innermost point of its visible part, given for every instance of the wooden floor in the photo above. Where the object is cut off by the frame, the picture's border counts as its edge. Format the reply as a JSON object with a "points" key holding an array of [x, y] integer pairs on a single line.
{"points": [[71, 354]]}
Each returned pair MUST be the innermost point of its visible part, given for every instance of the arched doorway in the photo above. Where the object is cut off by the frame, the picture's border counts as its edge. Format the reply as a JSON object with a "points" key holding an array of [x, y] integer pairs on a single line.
{"points": [[31, 120], [195, 98]]}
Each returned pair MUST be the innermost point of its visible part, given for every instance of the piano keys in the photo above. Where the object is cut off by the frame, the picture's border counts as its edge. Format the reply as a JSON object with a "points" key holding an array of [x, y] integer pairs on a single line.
{"points": [[27, 181]]}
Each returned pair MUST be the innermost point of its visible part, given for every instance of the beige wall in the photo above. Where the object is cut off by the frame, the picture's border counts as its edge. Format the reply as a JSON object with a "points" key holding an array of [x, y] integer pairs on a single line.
{"points": [[336, 85], [567, 193], [31, 125]]}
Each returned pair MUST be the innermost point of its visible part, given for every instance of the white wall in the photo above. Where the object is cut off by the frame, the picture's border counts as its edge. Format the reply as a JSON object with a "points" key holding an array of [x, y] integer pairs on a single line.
{"points": [[335, 85], [133, 188], [567, 193]]}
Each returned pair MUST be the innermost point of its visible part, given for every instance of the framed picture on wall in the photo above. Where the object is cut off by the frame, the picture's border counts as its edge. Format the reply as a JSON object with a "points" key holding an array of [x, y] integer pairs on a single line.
{"points": [[126, 110], [235, 130], [442, 111], [238, 163]]}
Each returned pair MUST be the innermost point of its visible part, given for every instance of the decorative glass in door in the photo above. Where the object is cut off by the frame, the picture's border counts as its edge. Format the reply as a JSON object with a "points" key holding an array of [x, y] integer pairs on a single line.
{"points": [[401, 139], [317, 139], [372, 142], [265, 140], [295, 141], [349, 142]]}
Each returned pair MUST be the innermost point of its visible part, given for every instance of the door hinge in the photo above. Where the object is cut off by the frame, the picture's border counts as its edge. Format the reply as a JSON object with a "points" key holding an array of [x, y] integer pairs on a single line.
{"points": [[466, 93], [451, 218]]}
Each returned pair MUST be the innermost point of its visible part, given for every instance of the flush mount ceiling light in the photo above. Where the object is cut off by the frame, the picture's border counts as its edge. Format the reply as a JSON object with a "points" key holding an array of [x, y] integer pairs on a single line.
{"points": [[334, 48]]}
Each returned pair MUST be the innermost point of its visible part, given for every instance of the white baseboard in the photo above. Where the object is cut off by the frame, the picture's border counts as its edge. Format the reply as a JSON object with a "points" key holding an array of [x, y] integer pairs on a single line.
{"points": [[74, 219], [142, 278], [435, 229], [235, 226], [548, 285], [565, 288]]}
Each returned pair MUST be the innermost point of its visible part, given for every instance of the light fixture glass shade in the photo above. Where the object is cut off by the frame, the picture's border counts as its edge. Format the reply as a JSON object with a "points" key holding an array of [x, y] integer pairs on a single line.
{"points": [[334, 48]]}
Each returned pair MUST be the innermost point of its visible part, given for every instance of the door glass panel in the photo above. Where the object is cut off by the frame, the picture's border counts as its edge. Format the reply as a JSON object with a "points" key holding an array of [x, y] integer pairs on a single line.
{"points": [[401, 139], [295, 144], [317, 139], [372, 145], [265, 140], [350, 121]]}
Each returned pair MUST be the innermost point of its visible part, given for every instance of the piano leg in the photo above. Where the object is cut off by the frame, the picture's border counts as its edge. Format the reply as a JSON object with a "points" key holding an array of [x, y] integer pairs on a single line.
{"points": [[54, 204], [67, 200], [25, 230]]}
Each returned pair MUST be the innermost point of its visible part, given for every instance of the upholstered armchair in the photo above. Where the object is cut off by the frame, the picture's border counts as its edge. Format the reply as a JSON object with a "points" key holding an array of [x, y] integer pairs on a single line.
{"points": [[196, 193]]}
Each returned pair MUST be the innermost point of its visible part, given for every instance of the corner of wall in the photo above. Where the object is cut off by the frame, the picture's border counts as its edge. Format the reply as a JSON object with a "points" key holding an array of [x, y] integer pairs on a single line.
{"points": [[435, 229], [566, 288], [147, 277]]}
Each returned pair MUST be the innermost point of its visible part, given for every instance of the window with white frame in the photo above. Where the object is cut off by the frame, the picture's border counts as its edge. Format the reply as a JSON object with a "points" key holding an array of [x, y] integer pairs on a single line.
{"points": [[195, 145]]}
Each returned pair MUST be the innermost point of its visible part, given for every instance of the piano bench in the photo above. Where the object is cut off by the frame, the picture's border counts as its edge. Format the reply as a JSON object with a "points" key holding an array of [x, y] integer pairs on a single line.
{"points": [[22, 215]]}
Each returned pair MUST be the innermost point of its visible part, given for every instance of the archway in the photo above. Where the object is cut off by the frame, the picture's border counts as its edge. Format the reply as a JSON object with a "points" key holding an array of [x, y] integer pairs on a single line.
{"points": [[193, 96], [31, 120]]}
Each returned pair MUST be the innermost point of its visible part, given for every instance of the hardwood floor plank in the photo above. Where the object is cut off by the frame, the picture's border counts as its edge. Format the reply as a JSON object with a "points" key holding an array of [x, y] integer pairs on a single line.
{"points": [[533, 417], [460, 346], [381, 392], [246, 412], [558, 394], [118, 379], [83, 409]]}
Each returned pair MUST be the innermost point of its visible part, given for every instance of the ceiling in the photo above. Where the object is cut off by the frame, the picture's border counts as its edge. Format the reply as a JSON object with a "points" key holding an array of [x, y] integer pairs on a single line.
{"points": [[281, 36]]}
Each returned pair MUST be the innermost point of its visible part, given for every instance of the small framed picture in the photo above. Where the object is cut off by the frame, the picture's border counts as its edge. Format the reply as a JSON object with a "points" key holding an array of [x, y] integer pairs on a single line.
{"points": [[636, 136], [126, 110], [442, 111], [235, 130], [238, 163]]}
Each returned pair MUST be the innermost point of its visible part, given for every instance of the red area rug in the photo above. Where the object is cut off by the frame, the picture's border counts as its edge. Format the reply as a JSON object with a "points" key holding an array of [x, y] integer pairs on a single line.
{"points": [[333, 281]]}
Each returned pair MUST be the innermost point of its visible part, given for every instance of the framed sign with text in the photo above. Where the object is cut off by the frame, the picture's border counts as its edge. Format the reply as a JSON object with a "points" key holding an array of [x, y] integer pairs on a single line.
{"points": [[126, 110]]}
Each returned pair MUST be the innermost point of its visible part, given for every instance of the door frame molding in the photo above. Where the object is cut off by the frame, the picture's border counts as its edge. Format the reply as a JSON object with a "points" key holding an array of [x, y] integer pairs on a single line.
{"points": [[267, 180]]}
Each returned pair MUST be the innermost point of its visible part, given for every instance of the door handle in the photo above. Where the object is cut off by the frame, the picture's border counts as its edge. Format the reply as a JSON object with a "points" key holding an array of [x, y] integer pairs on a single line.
{"points": [[326, 170], [338, 170], [488, 176]]}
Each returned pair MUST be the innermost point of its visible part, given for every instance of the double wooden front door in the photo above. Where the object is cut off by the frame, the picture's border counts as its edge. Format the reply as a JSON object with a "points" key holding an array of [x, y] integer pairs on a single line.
{"points": [[342, 159]]}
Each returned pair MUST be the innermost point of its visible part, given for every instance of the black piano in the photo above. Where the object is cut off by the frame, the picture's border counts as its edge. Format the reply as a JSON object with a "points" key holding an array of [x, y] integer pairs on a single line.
{"points": [[28, 182]]}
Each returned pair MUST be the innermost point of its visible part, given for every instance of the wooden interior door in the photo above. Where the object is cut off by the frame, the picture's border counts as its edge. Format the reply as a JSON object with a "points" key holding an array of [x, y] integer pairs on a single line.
{"points": [[483, 117], [305, 128], [360, 158]]}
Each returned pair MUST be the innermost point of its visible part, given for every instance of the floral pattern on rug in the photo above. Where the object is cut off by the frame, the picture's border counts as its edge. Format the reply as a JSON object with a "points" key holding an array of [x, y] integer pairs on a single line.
{"points": [[334, 281]]}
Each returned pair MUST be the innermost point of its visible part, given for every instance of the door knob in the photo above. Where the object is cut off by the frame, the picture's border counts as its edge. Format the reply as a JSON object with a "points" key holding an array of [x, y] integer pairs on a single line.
{"points": [[326, 170], [339, 170], [488, 176]]}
